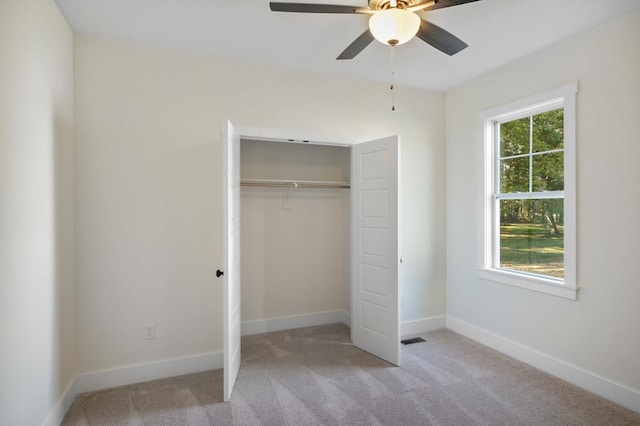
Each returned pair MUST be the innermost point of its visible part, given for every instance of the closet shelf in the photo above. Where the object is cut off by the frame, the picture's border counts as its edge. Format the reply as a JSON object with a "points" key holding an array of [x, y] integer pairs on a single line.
{"points": [[294, 183]]}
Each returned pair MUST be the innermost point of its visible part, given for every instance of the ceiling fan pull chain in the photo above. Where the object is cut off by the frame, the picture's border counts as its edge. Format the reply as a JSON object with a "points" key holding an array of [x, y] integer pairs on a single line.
{"points": [[393, 81]]}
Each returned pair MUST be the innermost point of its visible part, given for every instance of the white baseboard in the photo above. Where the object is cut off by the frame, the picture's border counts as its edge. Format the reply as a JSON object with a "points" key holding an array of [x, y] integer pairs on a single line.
{"points": [[423, 325], [121, 376], [58, 412], [294, 321], [130, 374], [321, 318], [616, 392]]}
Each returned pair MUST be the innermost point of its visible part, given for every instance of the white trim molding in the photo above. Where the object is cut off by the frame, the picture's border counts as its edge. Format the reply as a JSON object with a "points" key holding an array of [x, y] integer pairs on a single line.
{"points": [[616, 392], [57, 413], [294, 321], [407, 328], [534, 283], [489, 261], [127, 375], [411, 328]]}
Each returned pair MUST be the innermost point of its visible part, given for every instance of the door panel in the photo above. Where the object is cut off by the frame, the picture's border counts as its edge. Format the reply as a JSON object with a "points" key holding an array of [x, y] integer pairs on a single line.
{"points": [[231, 254], [375, 322]]}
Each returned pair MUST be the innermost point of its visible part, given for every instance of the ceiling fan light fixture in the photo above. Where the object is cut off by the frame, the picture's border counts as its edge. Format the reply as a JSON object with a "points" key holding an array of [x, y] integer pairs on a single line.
{"points": [[394, 26]]}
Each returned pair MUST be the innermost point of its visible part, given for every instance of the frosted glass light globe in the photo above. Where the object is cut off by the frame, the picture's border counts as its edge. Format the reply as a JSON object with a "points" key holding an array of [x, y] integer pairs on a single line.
{"points": [[394, 26]]}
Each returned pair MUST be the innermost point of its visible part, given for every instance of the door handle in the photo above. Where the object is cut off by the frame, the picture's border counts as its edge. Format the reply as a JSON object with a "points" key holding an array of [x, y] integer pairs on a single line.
{"points": [[219, 273]]}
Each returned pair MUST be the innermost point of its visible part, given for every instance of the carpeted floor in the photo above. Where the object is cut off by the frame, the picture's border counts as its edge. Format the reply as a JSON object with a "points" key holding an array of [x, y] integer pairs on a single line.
{"points": [[314, 376]]}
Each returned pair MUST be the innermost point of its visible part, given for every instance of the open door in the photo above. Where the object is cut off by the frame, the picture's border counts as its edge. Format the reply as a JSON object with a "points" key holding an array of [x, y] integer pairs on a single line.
{"points": [[231, 257], [375, 322]]}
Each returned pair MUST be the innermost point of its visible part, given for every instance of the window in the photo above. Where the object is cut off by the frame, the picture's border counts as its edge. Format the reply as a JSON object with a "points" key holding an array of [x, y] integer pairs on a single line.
{"points": [[529, 193]]}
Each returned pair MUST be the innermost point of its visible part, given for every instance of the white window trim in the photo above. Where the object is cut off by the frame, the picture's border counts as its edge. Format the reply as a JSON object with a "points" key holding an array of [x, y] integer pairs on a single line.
{"points": [[565, 97]]}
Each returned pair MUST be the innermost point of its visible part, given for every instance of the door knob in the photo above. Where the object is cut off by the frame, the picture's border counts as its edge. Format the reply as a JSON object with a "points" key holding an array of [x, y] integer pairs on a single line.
{"points": [[219, 273]]}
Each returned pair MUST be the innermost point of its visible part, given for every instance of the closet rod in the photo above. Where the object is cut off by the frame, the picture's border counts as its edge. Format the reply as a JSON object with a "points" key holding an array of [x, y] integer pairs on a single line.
{"points": [[294, 184]]}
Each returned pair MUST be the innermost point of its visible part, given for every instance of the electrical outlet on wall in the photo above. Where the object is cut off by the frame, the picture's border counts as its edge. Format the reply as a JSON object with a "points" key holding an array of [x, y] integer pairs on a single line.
{"points": [[149, 331]]}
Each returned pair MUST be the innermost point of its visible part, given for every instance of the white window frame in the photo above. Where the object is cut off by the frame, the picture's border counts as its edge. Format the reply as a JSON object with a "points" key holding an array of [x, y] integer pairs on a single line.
{"points": [[561, 97]]}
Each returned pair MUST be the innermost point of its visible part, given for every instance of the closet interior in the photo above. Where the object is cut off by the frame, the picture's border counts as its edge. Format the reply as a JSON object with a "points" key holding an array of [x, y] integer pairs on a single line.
{"points": [[295, 232]]}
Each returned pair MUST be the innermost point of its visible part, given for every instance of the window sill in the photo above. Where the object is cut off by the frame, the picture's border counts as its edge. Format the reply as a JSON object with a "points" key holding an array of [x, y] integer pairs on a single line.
{"points": [[529, 282]]}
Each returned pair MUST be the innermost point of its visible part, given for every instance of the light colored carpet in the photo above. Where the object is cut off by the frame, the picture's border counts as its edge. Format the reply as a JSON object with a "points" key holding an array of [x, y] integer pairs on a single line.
{"points": [[314, 376]]}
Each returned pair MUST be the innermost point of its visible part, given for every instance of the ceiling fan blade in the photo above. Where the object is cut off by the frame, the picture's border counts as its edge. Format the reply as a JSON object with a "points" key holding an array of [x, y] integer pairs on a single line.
{"points": [[439, 38], [357, 46], [441, 4], [313, 8]]}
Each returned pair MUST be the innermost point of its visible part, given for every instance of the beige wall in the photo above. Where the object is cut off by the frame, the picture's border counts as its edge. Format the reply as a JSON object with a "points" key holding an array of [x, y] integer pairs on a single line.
{"points": [[37, 316], [598, 332], [148, 187]]}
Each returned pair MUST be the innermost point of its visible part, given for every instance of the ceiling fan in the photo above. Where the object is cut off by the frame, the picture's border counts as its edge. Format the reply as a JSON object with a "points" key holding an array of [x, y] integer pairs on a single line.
{"points": [[392, 22]]}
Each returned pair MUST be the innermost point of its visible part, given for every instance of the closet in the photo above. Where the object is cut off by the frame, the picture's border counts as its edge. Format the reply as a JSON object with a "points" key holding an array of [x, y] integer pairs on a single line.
{"points": [[319, 234], [295, 233]]}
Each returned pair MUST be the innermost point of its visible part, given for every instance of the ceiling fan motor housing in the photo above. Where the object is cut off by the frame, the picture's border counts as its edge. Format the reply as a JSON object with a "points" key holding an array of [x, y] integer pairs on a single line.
{"points": [[386, 4]]}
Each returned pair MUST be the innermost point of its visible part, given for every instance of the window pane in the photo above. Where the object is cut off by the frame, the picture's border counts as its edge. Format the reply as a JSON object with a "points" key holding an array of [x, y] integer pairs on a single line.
{"points": [[514, 175], [548, 131], [548, 172], [531, 236], [514, 137]]}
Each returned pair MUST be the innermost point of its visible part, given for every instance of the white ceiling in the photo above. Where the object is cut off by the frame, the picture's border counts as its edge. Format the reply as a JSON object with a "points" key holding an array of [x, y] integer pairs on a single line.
{"points": [[497, 31]]}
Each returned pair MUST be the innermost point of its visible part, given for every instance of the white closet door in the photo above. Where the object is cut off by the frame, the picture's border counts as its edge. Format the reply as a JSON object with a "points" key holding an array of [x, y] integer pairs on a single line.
{"points": [[375, 325], [231, 257]]}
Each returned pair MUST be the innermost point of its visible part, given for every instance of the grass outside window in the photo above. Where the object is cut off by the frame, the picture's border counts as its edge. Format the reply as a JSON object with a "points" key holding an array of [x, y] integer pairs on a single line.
{"points": [[528, 247]]}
